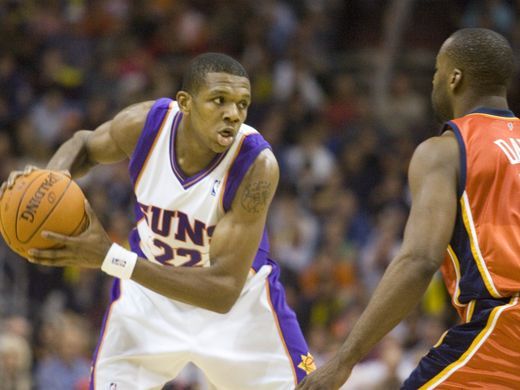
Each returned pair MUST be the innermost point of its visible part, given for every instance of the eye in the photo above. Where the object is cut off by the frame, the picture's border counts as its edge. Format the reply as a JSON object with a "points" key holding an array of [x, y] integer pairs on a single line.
{"points": [[243, 105], [218, 100]]}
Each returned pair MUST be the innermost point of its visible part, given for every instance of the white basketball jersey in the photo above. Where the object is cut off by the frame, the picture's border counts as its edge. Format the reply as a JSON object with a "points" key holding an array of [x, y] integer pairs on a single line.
{"points": [[176, 215]]}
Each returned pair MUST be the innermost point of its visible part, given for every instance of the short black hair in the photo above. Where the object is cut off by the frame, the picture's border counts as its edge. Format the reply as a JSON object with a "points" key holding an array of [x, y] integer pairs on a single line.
{"points": [[484, 55], [195, 74]]}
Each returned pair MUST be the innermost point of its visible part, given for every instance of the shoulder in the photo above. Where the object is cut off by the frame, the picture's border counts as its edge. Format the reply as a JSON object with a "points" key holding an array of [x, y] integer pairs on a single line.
{"points": [[436, 155], [135, 113], [437, 151], [258, 187], [127, 125], [265, 166]]}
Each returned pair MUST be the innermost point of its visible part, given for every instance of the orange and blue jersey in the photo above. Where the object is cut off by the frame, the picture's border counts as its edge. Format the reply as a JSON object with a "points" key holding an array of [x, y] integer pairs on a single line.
{"points": [[482, 265]]}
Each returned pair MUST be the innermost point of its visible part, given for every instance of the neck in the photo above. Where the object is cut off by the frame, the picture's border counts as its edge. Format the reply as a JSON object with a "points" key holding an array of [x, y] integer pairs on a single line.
{"points": [[192, 155], [490, 101]]}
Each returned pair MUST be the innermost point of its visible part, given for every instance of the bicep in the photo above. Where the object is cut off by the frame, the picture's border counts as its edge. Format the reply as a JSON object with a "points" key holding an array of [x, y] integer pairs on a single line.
{"points": [[433, 185], [237, 236], [115, 140]]}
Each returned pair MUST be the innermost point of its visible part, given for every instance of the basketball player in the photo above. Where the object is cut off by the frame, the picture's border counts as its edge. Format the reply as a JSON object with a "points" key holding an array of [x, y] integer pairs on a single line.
{"points": [[465, 188], [198, 284]]}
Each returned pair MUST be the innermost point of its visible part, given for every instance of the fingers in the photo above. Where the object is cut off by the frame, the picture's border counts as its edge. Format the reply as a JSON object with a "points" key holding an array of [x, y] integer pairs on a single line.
{"points": [[50, 257], [49, 263], [28, 169], [48, 254], [15, 174], [2, 189], [90, 213], [56, 237]]}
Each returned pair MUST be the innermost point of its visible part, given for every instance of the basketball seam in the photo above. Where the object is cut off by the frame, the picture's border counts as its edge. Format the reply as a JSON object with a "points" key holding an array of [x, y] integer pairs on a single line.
{"points": [[20, 203], [45, 219], [81, 222]]}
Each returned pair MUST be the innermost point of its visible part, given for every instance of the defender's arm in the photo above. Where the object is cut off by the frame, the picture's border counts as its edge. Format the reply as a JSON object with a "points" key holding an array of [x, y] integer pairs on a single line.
{"points": [[433, 177]]}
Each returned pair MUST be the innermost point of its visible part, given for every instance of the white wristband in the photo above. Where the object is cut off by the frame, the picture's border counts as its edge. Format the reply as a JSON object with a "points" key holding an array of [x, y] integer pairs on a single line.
{"points": [[119, 262]]}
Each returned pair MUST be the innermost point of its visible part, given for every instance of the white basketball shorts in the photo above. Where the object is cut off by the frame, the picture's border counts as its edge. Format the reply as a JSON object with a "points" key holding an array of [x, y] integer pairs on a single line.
{"points": [[147, 339]]}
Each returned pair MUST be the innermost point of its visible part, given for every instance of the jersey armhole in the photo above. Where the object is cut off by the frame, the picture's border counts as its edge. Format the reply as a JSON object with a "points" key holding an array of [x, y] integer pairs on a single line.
{"points": [[251, 147], [153, 124], [452, 126]]}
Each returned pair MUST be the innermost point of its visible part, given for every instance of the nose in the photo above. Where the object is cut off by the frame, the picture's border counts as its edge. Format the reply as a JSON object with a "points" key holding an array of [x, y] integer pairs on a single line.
{"points": [[232, 113]]}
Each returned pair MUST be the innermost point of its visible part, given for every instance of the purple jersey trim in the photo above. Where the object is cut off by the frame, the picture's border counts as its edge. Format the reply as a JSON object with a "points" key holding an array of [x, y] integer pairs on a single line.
{"points": [[134, 239], [251, 147], [151, 128], [291, 332], [188, 181]]}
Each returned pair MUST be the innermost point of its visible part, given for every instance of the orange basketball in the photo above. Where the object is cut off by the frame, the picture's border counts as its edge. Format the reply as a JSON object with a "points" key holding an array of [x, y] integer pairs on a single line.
{"points": [[42, 200]]}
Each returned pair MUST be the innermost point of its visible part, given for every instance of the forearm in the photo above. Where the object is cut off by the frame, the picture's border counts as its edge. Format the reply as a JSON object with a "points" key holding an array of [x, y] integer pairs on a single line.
{"points": [[399, 291], [72, 155], [201, 287]]}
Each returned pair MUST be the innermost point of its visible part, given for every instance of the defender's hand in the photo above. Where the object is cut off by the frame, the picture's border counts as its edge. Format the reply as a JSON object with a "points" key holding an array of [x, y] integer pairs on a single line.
{"points": [[85, 250], [330, 376]]}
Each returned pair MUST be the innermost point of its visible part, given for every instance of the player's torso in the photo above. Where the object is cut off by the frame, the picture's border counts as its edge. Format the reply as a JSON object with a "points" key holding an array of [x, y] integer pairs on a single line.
{"points": [[176, 214], [483, 258]]}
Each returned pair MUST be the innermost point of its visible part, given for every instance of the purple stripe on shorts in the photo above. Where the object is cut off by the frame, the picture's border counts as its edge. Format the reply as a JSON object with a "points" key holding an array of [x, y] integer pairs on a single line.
{"points": [[114, 296], [150, 130], [291, 332], [250, 149]]}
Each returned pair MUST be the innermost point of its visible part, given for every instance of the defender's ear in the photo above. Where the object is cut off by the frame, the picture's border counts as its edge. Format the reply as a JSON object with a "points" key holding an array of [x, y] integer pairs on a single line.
{"points": [[184, 101], [456, 79]]}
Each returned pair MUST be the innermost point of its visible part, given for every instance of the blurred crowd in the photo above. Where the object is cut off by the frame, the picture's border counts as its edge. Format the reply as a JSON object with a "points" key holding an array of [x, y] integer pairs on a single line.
{"points": [[340, 90]]}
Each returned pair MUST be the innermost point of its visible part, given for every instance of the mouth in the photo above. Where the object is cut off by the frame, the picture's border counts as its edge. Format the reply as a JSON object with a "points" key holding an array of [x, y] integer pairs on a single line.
{"points": [[226, 136]]}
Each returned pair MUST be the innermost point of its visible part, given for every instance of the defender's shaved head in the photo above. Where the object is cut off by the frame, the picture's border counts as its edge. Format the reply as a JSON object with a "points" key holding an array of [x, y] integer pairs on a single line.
{"points": [[483, 55]]}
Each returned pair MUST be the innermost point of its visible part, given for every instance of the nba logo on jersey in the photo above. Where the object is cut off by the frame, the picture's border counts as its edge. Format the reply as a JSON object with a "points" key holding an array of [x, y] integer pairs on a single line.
{"points": [[214, 189]]}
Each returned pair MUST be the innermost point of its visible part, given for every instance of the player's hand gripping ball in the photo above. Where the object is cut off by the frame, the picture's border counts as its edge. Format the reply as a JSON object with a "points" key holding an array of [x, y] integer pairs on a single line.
{"points": [[37, 201]]}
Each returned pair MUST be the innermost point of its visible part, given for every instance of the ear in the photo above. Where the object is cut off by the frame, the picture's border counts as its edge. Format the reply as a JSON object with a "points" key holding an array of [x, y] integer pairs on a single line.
{"points": [[184, 101], [456, 79]]}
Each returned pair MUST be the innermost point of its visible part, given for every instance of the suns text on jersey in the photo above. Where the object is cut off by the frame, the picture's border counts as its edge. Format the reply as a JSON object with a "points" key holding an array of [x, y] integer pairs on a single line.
{"points": [[172, 229]]}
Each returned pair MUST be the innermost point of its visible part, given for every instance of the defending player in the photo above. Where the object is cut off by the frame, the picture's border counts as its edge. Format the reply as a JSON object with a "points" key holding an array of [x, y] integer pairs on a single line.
{"points": [[198, 285], [465, 188]]}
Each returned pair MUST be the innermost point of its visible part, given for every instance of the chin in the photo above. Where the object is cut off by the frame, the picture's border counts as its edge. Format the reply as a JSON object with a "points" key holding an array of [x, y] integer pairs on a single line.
{"points": [[219, 148]]}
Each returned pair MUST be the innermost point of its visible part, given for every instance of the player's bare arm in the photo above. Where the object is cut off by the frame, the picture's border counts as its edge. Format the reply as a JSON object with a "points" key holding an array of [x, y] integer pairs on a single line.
{"points": [[433, 177], [111, 142], [233, 247]]}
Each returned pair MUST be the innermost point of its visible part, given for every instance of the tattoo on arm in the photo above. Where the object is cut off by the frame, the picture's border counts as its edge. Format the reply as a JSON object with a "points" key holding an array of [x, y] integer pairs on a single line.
{"points": [[256, 196]]}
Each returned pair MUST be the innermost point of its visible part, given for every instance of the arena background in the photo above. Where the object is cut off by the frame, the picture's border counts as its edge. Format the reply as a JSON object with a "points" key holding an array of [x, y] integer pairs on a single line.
{"points": [[340, 90]]}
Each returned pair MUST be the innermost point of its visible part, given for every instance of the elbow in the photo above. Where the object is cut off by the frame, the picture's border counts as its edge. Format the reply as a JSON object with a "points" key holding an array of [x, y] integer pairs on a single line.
{"points": [[226, 301], [424, 266], [227, 296]]}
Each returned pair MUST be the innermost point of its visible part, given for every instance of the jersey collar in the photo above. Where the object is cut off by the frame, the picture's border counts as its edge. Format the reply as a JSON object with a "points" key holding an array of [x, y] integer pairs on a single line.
{"points": [[493, 111]]}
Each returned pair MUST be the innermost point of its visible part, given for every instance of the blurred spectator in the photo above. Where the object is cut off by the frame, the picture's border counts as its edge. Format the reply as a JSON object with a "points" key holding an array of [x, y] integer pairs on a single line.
{"points": [[405, 109], [294, 233], [309, 163], [15, 362], [65, 366], [496, 15]]}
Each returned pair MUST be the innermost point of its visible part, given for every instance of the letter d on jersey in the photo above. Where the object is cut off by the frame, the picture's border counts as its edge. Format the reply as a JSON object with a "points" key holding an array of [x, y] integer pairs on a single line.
{"points": [[511, 149]]}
